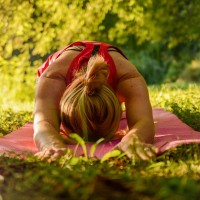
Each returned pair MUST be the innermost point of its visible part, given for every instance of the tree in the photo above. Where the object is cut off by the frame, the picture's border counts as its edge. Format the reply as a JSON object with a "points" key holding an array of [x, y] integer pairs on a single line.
{"points": [[32, 29]]}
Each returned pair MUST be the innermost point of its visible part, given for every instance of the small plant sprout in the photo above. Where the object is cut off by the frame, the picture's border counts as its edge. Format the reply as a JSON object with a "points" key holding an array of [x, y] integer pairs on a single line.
{"points": [[80, 141], [94, 146], [111, 154]]}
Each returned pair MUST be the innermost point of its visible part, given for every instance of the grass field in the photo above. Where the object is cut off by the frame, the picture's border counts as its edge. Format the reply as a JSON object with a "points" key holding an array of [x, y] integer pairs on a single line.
{"points": [[174, 175]]}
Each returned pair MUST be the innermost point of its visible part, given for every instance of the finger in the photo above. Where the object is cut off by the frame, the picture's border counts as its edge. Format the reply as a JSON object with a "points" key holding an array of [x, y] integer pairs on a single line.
{"points": [[49, 152], [153, 148], [141, 153], [61, 151], [51, 159], [149, 152], [39, 155], [44, 155], [57, 154], [54, 157], [121, 146], [130, 151]]}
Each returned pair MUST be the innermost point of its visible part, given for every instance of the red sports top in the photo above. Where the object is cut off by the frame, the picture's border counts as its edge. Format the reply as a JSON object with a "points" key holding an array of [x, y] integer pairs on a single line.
{"points": [[90, 48]]}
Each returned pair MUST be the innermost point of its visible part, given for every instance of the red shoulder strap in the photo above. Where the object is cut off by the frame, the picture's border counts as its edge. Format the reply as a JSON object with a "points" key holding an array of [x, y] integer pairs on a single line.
{"points": [[85, 55], [53, 57], [112, 78], [79, 61]]}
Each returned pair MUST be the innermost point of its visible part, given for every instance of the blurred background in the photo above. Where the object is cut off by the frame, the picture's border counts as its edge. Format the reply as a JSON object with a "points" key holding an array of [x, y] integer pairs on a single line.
{"points": [[161, 38]]}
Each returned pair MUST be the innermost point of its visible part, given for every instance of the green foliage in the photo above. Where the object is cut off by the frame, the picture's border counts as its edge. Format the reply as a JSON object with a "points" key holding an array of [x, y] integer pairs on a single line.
{"points": [[11, 120], [192, 72], [94, 146], [42, 26], [17, 79], [171, 21], [80, 141], [31, 30], [181, 99], [150, 62], [111, 154], [165, 22]]}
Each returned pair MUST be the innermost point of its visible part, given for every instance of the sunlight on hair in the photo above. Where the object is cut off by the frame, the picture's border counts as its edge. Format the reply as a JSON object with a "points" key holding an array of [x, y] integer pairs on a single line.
{"points": [[89, 107]]}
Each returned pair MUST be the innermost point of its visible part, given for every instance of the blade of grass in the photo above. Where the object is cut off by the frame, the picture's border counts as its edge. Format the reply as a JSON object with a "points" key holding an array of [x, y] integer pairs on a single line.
{"points": [[110, 154], [94, 146], [80, 141]]}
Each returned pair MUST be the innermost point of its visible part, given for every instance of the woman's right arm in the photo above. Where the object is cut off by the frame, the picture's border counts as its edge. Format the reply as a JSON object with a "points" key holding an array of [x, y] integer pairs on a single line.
{"points": [[46, 114], [49, 90]]}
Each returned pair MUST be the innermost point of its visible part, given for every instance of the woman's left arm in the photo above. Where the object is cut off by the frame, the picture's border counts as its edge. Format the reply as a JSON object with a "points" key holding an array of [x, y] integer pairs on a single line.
{"points": [[140, 137], [138, 108], [133, 90]]}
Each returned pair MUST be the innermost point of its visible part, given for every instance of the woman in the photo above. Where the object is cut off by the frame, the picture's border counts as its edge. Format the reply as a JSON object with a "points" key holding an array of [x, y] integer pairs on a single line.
{"points": [[81, 87]]}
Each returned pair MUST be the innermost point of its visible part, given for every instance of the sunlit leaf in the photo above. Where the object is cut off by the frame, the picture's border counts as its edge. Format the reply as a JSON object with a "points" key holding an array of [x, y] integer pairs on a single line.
{"points": [[80, 141], [94, 146], [110, 154]]}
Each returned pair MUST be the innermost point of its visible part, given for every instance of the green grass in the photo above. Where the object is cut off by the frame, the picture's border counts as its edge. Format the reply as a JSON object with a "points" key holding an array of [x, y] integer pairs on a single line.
{"points": [[181, 99], [173, 175]]}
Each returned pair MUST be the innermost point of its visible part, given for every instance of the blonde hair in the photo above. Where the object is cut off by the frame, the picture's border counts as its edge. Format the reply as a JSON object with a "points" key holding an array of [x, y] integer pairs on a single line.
{"points": [[89, 107]]}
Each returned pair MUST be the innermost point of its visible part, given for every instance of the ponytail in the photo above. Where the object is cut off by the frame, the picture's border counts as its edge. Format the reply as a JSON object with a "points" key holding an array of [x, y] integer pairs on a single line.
{"points": [[89, 106]]}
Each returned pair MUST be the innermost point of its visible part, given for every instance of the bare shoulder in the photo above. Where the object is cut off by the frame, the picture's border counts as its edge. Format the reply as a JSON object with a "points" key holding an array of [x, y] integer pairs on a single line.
{"points": [[125, 69], [58, 69], [130, 82]]}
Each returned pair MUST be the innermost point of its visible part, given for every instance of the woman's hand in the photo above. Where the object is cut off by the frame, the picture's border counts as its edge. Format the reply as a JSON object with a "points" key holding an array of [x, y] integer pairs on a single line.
{"points": [[132, 145], [52, 152]]}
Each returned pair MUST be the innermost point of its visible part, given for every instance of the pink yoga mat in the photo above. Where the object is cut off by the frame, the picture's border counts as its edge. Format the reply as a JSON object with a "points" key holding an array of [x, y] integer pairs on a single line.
{"points": [[170, 132]]}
